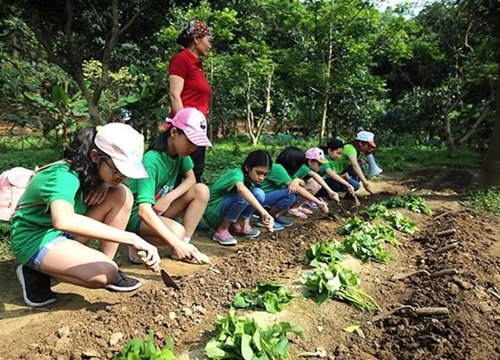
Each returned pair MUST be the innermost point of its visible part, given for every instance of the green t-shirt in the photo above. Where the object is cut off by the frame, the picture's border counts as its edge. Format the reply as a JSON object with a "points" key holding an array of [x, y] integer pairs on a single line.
{"points": [[303, 172], [342, 163], [276, 179], [32, 226], [222, 187], [162, 170], [324, 167]]}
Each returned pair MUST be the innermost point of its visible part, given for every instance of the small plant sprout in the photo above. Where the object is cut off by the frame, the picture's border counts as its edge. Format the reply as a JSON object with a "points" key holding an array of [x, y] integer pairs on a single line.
{"points": [[269, 296], [409, 201], [324, 253], [146, 349]]}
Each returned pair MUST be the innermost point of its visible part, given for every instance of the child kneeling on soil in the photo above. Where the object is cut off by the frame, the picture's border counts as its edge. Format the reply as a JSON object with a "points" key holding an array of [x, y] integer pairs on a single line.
{"points": [[157, 199], [235, 196], [344, 167], [314, 157], [282, 191], [72, 201]]}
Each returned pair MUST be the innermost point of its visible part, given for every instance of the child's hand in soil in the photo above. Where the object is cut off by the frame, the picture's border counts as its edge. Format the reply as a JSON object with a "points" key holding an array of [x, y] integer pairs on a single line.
{"points": [[268, 221], [323, 207], [333, 196]]}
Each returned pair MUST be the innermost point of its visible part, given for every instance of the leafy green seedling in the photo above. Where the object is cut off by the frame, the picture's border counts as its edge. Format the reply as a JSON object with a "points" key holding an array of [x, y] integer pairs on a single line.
{"points": [[269, 296], [241, 338], [379, 232], [334, 282], [139, 349], [409, 201], [365, 247], [402, 223], [324, 253], [375, 211]]}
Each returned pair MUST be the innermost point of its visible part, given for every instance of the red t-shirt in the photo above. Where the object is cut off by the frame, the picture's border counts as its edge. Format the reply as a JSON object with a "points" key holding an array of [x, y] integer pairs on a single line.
{"points": [[196, 91]]}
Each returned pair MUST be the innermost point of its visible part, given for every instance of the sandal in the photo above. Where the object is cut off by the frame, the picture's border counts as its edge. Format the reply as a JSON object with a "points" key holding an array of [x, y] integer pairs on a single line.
{"points": [[297, 212], [305, 210]]}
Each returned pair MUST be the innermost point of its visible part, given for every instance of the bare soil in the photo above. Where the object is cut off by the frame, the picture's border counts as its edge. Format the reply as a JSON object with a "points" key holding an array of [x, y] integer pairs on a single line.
{"points": [[95, 324]]}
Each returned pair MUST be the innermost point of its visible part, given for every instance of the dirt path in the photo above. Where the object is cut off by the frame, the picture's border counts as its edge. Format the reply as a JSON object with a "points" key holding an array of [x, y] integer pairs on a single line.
{"points": [[82, 322]]}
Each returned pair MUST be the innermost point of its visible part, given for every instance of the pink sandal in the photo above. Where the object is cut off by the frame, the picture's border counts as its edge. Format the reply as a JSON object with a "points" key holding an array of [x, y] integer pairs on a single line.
{"points": [[297, 212], [305, 210]]}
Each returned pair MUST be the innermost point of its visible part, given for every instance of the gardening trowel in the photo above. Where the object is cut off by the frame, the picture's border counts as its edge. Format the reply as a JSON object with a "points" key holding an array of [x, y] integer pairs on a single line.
{"points": [[167, 279]]}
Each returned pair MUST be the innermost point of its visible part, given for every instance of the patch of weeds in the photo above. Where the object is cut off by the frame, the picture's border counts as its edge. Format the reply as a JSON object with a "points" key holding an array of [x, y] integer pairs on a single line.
{"points": [[485, 200], [241, 338], [335, 282], [146, 349], [5, 249], [269, 296]]}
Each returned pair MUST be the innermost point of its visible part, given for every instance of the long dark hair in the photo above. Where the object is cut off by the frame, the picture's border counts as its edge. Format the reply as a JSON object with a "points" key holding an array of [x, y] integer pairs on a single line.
{"points": [[333, 145], [254, 159], [291, 158], [160, 143], [78, 155]]}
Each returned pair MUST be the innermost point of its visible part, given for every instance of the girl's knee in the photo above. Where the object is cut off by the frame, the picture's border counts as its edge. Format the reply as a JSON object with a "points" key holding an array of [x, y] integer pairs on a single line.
{"points": [[259, 194], [121, 196], [202, 192], [103, 276], [178, 229]]}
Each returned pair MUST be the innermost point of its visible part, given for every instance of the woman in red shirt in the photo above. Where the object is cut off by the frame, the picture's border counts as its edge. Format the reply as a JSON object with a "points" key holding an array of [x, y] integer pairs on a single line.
{"points": [[188, 85]]}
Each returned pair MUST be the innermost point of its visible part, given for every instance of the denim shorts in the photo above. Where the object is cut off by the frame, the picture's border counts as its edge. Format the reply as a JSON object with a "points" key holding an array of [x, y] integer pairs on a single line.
{"points": [[36, 260]]}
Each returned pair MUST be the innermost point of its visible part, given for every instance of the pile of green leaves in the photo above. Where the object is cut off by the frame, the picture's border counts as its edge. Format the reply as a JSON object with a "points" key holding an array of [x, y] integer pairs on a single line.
{"points": [[335, 282], [242, 338], [401, 223], [375, 211], [324, 253], [409, 201], [380, 232], [365, 247], [139, 349], [269, 296]]}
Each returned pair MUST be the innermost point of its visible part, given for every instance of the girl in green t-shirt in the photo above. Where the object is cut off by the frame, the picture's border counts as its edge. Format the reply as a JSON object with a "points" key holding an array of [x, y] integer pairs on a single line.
{"points": [[235, 196], [315, 157], [70, 202], [158, 199], [282, 191]]}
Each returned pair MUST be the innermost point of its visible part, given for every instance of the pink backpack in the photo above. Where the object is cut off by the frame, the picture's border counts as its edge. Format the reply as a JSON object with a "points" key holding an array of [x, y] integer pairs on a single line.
{"points": [[13, 183]]}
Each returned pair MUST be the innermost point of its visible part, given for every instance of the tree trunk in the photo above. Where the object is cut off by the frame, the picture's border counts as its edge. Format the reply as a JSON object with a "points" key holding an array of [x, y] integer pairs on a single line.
{"points": [[250, 116], [491, 163]]}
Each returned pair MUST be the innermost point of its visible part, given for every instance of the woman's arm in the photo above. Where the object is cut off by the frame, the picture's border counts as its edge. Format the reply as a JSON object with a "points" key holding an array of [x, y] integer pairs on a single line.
{"points": [[332, 174], [357, 169], [332, 194], [176, 86]]}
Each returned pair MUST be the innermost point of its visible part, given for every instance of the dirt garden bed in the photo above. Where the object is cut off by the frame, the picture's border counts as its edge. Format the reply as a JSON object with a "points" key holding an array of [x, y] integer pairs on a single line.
{"points": [[95, 324]]}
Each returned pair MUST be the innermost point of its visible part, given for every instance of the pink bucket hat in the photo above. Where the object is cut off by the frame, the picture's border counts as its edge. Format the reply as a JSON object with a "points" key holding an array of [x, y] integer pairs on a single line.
{"points": [[194, 124], [316, 154], [125, 146]]}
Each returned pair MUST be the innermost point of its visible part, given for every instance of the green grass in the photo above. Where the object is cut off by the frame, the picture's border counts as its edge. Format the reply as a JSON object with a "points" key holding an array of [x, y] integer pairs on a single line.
{"points": [[487, 201], [403, 158]]}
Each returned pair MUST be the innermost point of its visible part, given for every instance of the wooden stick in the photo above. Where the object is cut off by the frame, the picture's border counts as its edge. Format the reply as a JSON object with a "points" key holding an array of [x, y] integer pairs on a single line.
{"points": [[446, 232], [444, 272], [446, 248], [432, 311], [441, 216]]}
